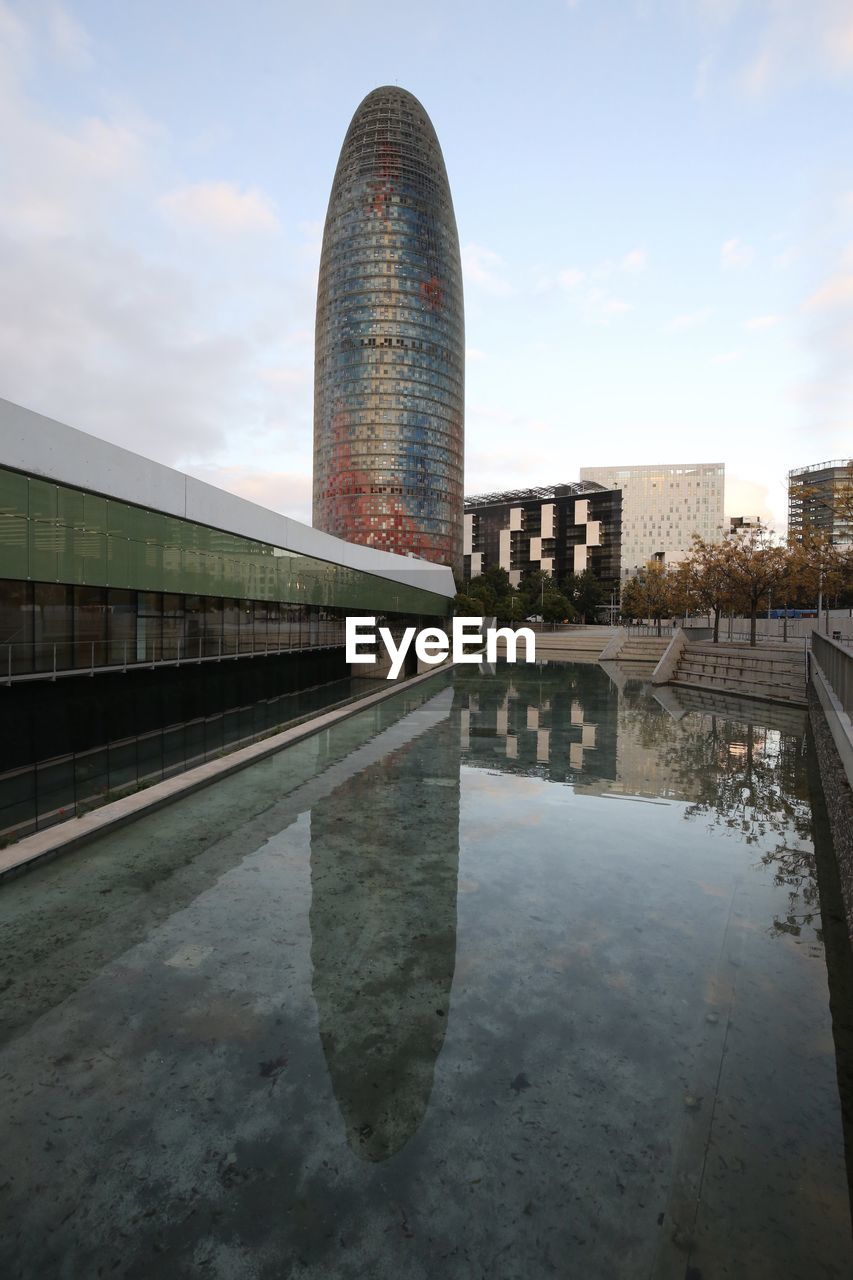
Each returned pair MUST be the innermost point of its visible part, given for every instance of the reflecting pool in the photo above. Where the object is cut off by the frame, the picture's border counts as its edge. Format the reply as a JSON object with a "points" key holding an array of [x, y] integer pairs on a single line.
{"points": [[524, 972]]}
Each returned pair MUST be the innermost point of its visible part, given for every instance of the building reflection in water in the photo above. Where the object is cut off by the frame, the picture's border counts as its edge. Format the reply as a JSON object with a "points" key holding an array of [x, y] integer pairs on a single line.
{"points": [[385, 845], [384, 868], [605, 730], [552, 720]]}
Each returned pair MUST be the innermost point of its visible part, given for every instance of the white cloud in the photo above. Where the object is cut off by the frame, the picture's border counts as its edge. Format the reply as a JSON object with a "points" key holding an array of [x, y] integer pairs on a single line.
{"points": [[473, 355], [636, 260], [112, 339], [762, 46], [757, 323], [482, 267], [749, 499], [220, 207], [834, 293], [570, 278], [285, 491], [783, 260], [691, 320], [601, 307], [734, 253], [69, 40], [726, 357]]}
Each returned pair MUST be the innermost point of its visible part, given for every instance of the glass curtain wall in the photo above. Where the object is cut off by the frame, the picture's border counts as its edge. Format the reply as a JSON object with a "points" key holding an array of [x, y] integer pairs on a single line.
{"points": [[48, 626]]}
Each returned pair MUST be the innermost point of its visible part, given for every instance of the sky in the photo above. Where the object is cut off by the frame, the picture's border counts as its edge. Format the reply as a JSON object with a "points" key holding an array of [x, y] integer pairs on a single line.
{"points": [[654, 201]]}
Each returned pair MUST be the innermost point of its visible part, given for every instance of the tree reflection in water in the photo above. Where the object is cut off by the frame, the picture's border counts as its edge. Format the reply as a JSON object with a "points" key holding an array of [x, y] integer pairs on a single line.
{"points": [[743, 767]]}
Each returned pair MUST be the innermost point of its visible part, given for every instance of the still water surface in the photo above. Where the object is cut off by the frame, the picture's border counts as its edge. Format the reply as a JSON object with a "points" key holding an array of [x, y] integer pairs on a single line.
{"points": [[521, 973]]}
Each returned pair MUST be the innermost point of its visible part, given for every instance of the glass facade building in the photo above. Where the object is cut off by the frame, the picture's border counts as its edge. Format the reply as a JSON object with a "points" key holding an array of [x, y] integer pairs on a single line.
{"points": [[110, 560], [390, 342], [87, 580]]}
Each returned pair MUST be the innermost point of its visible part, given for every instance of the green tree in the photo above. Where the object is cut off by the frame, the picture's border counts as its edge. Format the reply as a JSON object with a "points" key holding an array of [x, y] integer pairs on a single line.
{"points": [[556, 607], [532, 590], [465, 606], [585, 593]]}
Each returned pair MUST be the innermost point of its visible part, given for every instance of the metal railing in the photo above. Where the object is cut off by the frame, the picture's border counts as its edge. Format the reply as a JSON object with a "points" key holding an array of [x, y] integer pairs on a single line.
{"points": [[44, 660], [836, 663]]}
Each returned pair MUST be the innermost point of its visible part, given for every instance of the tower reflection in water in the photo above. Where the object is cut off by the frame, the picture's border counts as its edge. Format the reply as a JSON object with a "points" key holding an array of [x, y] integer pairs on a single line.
{"points": [[384, 867]]}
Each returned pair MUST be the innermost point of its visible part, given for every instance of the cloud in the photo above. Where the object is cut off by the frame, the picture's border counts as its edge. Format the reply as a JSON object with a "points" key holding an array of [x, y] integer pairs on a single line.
{"points": [[482, 268], [783, 260], [473, 355], [220, 207], [286, 491], [757, 323], [834, 293], [691, 320], [797, 39], [726, 357], [69, 40], [734, 253], [115, 340], [570, 278], [98, 336], [826, 397], [749, 499], [601, 307], [765, 46], [636, 260]]}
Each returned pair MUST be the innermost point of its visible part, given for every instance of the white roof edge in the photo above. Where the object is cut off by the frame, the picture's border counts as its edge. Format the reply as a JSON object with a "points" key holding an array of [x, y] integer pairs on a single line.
{"points": [[43, 447]]}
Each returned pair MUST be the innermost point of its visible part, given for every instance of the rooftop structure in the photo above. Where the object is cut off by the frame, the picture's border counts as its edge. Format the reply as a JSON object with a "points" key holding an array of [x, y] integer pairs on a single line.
{"points": [[531, 495], [390, 343]]}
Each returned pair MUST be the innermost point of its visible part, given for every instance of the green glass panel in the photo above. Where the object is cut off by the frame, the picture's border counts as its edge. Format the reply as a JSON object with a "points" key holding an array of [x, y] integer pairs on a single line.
{"points": [[43, 500], [43, 545], [118, 574], [95, 512], [71, 504], [14, 548], [119, 518], [69, 557], [173, 531], [14, 494], [66, 541]]}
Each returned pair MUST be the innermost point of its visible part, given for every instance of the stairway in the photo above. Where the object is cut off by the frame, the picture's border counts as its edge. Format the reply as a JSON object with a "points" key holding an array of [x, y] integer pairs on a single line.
{"points": [[773, 672], [643, 648], [572, 641], [785, 717]]}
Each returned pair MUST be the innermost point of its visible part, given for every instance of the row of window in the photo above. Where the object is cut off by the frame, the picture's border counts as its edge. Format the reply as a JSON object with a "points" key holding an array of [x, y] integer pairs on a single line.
{"points": [[47, 626]]}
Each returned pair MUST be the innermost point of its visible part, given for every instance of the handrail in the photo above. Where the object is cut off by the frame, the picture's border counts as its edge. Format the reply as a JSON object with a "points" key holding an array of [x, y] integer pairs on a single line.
{"points": [[59, 659], [836, 663]]}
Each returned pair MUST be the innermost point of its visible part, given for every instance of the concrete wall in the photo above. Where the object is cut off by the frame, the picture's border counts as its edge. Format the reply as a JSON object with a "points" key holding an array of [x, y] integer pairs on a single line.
{"points": [[833, 734]]}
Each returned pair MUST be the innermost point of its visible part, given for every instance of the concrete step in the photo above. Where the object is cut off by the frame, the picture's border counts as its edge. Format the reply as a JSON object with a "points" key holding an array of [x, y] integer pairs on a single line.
{"points": [[767, 668], [771, 690]]}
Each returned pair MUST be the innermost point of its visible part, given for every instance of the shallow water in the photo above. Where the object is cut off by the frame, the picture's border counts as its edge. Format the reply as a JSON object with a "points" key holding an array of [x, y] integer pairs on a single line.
{"points": [[520, 973]]}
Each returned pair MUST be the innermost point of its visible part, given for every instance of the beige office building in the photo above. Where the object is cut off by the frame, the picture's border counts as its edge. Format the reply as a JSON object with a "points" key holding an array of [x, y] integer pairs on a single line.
{"points": [[662, 507]]}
